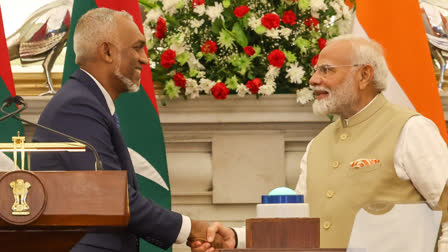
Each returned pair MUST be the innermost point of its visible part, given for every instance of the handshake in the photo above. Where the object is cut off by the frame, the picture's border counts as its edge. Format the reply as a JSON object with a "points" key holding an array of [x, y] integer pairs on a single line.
{"points": [[205, 238]]}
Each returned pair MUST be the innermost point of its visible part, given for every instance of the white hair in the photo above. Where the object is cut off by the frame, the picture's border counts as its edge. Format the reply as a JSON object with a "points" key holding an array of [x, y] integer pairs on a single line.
{"points": [[368, 52], [93, 28]]}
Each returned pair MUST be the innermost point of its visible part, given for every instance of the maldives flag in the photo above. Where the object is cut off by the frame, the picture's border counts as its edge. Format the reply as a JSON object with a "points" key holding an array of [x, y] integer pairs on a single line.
{"points": [[139, 120], [8, 127], [398, 26]]}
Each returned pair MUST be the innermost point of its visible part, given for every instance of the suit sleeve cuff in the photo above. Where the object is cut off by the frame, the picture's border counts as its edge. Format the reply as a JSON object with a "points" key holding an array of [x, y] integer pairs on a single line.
{"points": [[241, 233], [185, 229]]}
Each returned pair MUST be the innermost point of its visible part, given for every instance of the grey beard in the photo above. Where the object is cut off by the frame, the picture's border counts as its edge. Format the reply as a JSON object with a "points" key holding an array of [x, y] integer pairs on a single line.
{"points": [[338, 100], [132, 87]]}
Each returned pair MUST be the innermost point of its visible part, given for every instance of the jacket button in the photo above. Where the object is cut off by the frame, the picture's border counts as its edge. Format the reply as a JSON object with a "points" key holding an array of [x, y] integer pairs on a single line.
{"points": [[330, 194], [327, 225], [343, 137], [335, 164]]}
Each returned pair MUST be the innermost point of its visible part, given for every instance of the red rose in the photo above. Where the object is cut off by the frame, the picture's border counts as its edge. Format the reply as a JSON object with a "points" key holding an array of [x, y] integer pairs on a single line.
{"points": [[167, 58], [249, 50], [161, 28], [270, 20], [220, 91], [241, 11], [254, 85], [198, 2], [209, 47], [276, 58], [179, 80], [315, 59], [311, 22], [322, 43], [289, 18]]}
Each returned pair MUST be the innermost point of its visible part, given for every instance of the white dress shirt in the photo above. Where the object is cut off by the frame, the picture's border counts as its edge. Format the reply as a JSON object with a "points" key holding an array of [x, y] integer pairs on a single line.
{"points": [[185, 229]]}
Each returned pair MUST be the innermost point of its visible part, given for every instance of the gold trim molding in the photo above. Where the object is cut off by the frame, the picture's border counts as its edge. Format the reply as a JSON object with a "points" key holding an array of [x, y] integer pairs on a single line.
{"points": [[31, 84]]}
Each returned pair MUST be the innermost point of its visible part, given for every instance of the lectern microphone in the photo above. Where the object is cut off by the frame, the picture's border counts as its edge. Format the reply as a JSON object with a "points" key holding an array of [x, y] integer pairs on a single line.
{"points": [[10, 100], [19, 101]]}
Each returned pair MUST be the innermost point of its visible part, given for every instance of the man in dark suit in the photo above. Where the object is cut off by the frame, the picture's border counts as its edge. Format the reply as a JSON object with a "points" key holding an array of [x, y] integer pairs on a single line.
{"points": [[109, 49]]}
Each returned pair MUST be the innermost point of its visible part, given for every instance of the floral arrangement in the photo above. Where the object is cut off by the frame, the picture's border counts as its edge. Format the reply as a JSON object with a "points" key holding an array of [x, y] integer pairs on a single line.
{"points": [[245, 47]]}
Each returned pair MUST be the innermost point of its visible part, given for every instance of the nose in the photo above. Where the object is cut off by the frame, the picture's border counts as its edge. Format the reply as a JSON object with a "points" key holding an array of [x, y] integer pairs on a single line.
{"points": [[315, 79], [143, 58]]}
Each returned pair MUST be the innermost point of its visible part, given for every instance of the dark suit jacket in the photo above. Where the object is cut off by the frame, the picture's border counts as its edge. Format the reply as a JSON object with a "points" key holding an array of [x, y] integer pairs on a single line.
{"points": [[80, 110]]}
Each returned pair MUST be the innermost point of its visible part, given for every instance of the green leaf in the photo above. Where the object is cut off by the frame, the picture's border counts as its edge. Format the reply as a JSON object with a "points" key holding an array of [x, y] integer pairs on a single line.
{"points": [[192, 73], [304, 5], [183, 58], [210, 57], [290, 56], [171, 89], [303, 44], [232, 83], [260, 29], [240, 36], [217, 26], [226, 3]]}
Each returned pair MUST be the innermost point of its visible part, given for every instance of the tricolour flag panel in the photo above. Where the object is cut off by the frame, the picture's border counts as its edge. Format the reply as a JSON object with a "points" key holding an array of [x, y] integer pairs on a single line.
{"points": [[8, 127], [139, 120], [398, 26]]}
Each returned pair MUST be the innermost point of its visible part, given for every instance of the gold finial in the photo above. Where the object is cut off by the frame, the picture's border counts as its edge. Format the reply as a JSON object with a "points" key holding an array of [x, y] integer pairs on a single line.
{"points": [[19, 145]]}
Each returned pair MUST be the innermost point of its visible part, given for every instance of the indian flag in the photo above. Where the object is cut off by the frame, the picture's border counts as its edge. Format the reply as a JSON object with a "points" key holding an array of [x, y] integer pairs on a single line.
{"points": [[8, 127], [139, 119], [398, 26]]}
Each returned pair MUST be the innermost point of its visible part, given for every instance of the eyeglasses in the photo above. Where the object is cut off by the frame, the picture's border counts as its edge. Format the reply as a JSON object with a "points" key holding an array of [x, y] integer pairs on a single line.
{"points": [[325, 68]]}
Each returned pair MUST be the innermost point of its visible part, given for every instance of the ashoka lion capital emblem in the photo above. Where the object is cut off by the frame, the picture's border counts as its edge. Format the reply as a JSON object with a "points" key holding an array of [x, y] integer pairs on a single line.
{"points": [[20, 191]]}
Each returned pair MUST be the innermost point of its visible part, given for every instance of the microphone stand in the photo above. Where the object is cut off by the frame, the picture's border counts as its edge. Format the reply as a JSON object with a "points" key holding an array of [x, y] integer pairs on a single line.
{"points": [[98, 163]]}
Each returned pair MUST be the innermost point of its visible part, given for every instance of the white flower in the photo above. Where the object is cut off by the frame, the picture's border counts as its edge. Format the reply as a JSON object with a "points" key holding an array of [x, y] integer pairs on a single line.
{"points": [[200, 9], [214, 12], [148, 32], [285, 32], [242, 90], [206, 85], [272, 73], [344, 26], [178, 48], [196, 23], [270, 82], [273, 33], [317, 5], [201, 74], [192, 88], [169, 6], [304, 95], [295, 73], [194, 63], [254, 23], [337, 8], [153, 15], [266, 89]]}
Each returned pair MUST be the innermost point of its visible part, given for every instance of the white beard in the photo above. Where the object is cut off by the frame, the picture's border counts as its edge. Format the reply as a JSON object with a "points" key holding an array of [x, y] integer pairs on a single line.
{"points": [[338, 101], [131, 86]]}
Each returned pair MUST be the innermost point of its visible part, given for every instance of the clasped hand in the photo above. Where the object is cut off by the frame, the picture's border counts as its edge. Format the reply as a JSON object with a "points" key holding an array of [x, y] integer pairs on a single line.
{"points": [[205, 238]]}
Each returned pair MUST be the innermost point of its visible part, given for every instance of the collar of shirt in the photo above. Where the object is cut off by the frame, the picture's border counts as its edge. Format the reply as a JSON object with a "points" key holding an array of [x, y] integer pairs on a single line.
{"points": [[109, 101], [348, 119]]}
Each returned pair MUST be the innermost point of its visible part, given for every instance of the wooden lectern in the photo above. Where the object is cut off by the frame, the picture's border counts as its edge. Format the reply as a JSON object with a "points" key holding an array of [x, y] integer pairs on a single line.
{"points": [[283, 235], [52, 211]]}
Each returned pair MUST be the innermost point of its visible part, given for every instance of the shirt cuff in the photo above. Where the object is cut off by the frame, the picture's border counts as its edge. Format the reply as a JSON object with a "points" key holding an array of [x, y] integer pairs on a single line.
{"points": [[185, 230], [241, 233]]}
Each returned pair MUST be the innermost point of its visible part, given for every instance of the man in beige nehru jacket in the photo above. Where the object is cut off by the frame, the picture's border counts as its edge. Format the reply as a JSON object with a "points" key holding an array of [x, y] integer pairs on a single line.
{"points": [[372, 152]]}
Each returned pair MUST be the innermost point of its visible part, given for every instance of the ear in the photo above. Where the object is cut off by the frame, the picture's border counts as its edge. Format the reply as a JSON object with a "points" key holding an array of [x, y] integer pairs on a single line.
{"points": [[106, 52], [366, 76]]}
